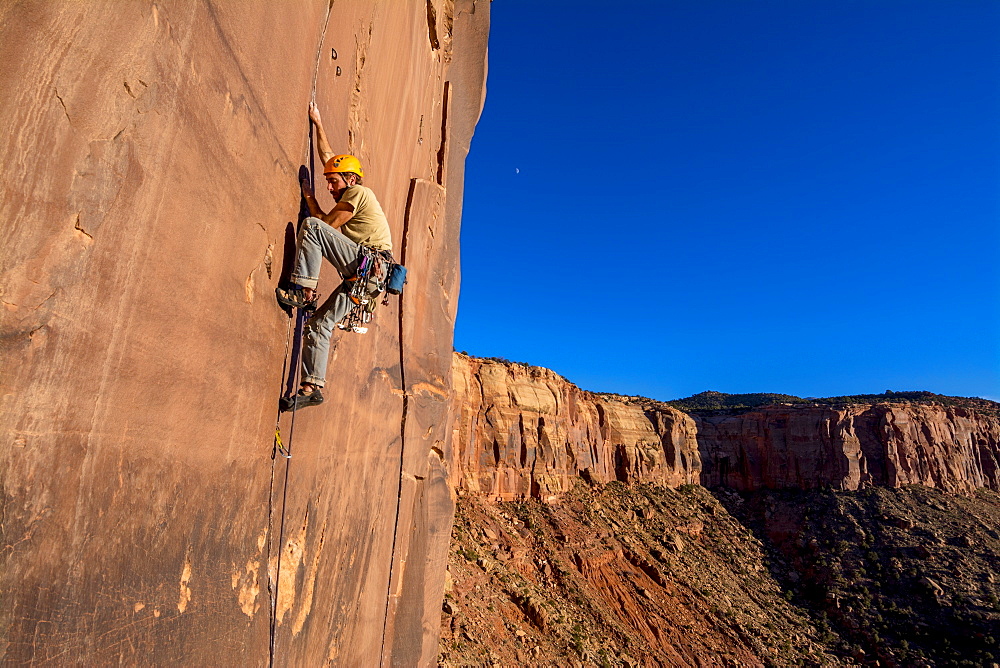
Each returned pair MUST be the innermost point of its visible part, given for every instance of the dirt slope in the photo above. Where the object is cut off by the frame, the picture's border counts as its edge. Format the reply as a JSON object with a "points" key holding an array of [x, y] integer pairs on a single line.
{"points": [[643, 575], [619, 575]]}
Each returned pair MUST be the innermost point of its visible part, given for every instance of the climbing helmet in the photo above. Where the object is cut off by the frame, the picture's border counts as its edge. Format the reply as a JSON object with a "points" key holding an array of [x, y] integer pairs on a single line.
{"points": [[343, 163]]}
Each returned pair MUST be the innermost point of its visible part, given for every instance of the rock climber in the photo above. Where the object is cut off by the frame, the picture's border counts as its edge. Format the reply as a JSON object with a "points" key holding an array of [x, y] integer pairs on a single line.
{"points": [[356, 219]]}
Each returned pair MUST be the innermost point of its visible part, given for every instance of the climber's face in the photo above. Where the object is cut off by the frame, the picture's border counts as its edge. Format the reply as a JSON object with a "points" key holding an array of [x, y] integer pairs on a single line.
{"points": [[336, 184]]}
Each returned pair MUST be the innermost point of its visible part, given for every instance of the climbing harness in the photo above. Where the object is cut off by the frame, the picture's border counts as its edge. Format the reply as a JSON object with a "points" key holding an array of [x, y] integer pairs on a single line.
{"points": [[377, 273]]}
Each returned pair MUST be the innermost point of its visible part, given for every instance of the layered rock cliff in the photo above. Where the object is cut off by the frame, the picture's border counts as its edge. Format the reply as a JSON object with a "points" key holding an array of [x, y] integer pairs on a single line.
{"points": [[149, 198], [844, 447], [525, 431]]}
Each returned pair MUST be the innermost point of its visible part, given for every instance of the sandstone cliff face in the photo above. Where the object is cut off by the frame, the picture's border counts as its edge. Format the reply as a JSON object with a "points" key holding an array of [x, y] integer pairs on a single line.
{"points": [[149, 191], [954, 449], [525, 431]]}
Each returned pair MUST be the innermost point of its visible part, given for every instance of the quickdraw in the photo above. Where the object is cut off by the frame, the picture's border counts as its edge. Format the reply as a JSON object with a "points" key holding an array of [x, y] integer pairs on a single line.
{"points": [[375, 268], [282, 450]]}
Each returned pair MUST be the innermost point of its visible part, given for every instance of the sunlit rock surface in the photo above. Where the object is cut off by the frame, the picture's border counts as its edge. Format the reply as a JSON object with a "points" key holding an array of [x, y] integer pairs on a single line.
{"points": [[149, 193], [845, 447], [525, 431]]}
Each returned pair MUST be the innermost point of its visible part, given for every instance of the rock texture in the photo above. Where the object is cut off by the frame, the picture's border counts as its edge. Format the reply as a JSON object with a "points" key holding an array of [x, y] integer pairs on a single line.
{"points": [[525, 431], [148, 195], [898, 577], [845, 447], [645, 575], [617, 575]]}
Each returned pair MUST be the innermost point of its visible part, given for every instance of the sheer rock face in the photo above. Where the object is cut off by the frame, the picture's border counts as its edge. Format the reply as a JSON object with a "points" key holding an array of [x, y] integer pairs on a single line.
{"points": [[525, 431], [954, 449], [149, 193]]}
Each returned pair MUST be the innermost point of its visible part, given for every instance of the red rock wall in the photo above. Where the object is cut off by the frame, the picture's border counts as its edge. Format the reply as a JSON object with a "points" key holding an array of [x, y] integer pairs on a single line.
{"points": [[955, 449], [151, 153], [525, 431]]}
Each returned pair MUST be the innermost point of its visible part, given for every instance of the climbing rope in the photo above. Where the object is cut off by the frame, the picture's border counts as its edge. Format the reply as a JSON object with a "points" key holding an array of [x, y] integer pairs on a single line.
{"points": [[278, 448], [286, 452], [291, 369]]}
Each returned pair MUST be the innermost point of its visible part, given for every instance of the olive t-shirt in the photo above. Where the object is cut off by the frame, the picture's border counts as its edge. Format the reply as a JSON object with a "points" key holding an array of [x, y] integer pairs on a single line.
{"points": [[368, 225]]}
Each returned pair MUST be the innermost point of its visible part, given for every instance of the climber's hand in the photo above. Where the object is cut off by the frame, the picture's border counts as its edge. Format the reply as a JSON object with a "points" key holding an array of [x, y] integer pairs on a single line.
{"points": [[314, 114], [307, 188]]}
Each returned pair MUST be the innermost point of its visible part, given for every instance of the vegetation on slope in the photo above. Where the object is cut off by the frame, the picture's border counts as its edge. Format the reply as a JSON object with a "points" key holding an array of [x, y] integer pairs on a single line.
{"points": [[896, 576], [620, 575], [616, 575], [714, 402], [720, 401]]}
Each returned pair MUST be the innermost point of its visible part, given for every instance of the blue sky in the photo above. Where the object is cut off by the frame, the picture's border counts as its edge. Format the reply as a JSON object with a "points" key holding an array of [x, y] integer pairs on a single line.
{"points": [[743, 196]]}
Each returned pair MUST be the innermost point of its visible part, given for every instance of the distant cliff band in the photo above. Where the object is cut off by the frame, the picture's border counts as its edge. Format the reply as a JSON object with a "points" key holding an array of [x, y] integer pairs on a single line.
{"points": [[526, 431]]}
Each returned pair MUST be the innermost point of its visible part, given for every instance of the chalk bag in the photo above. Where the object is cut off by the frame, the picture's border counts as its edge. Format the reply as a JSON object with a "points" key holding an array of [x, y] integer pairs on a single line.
{"points": [[397, 278]]}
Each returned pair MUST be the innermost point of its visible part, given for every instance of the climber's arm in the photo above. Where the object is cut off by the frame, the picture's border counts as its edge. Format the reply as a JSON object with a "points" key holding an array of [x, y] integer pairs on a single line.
{"points": [[322, 143], [339, 215]]}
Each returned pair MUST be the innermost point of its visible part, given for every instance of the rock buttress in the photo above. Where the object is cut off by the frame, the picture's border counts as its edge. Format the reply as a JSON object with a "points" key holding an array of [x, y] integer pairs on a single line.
{"points": [[523, 431], [148, 194]]}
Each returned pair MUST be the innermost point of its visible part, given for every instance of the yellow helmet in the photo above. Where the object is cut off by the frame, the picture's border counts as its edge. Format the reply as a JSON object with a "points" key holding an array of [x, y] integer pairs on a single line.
{"points": [[343, 163]]}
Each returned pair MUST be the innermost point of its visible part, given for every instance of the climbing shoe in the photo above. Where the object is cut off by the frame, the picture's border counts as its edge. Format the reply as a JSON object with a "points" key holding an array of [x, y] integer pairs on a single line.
{"points": [[301, 400], [295, 297]]}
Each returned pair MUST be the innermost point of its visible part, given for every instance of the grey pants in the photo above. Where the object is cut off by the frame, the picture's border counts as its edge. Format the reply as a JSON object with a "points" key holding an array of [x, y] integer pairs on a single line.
{"points": [[317, 240]]}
